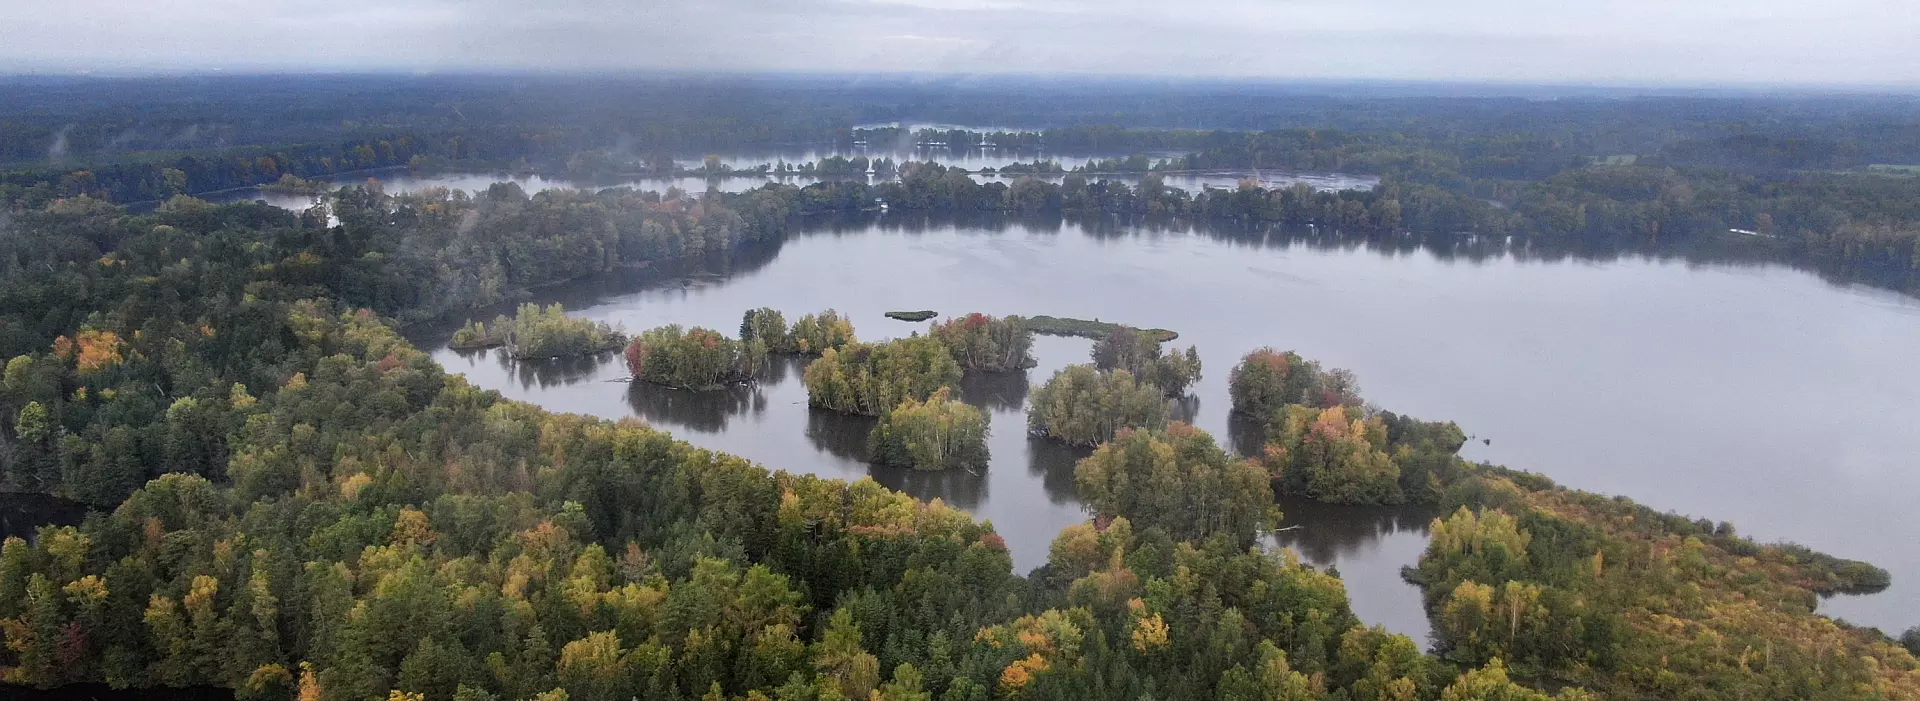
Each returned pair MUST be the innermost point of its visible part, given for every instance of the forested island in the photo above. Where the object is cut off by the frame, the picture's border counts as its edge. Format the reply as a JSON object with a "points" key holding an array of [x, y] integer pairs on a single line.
{"points": [[296, 503], [540, 332]]}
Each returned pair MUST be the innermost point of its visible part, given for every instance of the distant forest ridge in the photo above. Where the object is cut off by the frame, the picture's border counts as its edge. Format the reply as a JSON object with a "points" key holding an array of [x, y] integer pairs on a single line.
{"points": [[81, 121], [1828, 179]]}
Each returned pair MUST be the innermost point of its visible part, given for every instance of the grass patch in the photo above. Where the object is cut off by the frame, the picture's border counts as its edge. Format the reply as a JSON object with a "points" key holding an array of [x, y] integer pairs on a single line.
{"points": [[921, 315], [1066, 326]]}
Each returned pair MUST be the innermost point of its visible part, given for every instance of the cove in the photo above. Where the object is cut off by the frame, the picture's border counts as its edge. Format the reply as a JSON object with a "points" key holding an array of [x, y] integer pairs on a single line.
{"points": [[1720, 387]]}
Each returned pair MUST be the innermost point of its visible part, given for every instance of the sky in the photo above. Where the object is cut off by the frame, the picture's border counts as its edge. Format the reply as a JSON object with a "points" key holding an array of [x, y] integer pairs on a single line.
{"points": [[1857, 42]]}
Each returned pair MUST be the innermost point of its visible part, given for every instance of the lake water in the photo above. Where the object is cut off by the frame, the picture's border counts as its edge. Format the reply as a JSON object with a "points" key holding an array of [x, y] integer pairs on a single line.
{"points": [[22, 514], [1753, 393]]}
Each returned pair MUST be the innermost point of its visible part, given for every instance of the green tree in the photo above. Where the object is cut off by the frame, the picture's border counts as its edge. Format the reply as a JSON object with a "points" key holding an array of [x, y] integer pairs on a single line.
{"points": [[1083, 406], [1266, 381], [981, 342], [815, 334], [693, 358], [767, 325], [1327, 455], [938, 434], [1127, 348], [872, 379], [1179, 480]]}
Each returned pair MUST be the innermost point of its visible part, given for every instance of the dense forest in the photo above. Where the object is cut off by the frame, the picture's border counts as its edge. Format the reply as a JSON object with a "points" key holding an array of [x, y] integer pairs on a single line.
{"points": [[295, 503]]}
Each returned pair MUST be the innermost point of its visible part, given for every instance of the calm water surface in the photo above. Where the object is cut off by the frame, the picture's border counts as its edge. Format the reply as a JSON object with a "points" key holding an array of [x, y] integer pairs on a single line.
{"points": [[1755, 394]]}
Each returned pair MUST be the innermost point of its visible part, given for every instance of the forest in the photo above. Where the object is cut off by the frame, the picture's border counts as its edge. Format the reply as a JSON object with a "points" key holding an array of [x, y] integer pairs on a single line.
{"points": [[1819, 177], [295, 503]]}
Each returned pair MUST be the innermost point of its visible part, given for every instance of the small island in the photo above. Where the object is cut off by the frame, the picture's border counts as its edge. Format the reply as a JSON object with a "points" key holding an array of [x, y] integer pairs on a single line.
{"points": [[1095, 329], [1139, 352], [813, 334], [921, 315], [695, 358], [540, 332], [940, 433]]}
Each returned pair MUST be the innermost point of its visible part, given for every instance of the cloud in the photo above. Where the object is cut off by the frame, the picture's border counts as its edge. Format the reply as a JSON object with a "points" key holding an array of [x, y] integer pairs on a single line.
{"points": [[915, 38], [1630, 41]]}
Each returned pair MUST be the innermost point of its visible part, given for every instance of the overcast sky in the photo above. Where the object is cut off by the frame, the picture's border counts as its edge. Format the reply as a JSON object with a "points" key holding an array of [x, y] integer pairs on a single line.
{"points": [[1599, 41]]}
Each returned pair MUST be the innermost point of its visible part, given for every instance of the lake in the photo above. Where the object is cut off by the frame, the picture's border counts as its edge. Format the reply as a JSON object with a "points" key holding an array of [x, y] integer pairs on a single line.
{"points": [[1741, 391]]}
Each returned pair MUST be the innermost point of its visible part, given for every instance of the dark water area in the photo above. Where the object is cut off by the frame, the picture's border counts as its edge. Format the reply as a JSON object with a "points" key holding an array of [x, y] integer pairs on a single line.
{"points": [[21, 514], [1701, 379], [1367, 545], [102, 692]]}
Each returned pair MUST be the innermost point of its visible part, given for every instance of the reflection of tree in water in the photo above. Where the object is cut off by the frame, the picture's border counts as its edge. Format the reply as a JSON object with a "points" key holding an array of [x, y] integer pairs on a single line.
{"points": [[1052, 462], [1246, 436], [1708, 246], [1184, 408], [922, 221], [781, 367], [551, 372], [843, 435], [706, 412], [21, 515], [995, 391], [960, 488], [1328, 532]]}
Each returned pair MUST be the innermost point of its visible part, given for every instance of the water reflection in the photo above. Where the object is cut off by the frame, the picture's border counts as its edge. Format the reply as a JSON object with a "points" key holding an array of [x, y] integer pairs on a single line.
{"points": [[779, 368], [1706, 248], [22, 514], [1328, 532], [1184, 409], [551, 372], [706, 412], [844, 435], [1368, 545], [965, 489], [1246, 436], [996, 391], [1052, 463]]}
